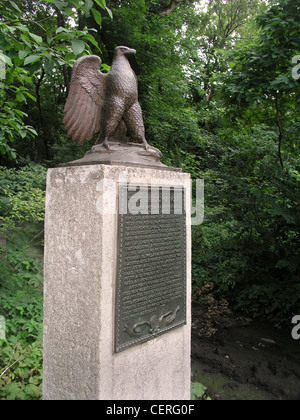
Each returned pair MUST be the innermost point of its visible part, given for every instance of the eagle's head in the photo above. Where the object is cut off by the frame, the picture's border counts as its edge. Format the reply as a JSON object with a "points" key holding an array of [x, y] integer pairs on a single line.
{"points": [[124, 51]]}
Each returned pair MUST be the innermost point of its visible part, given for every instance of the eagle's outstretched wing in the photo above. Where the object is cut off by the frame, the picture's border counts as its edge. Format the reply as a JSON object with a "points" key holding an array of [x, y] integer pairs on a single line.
{"points": [[84, 105]]}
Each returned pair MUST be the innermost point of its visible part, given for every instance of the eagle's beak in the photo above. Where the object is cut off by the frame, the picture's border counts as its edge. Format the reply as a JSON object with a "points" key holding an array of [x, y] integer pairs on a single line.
{"points": [[130, 51]]}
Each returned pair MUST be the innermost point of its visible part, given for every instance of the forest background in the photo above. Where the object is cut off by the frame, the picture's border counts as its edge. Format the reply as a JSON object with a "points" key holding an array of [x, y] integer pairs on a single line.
{"points": [[220, 93]]}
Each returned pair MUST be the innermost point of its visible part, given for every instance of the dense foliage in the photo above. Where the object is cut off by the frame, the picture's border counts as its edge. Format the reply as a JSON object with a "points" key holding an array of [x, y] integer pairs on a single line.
{"points": [[21, 299], [219, 88]]}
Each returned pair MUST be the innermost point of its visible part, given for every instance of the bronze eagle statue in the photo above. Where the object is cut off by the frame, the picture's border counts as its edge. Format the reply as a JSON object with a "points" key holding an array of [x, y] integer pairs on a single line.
{"points": [[104, 103]]}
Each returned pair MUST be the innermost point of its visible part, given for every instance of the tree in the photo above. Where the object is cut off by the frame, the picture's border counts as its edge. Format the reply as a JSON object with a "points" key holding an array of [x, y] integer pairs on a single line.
{"points": [[250, 241], [209, 31], [38, 40], [260, 74]]}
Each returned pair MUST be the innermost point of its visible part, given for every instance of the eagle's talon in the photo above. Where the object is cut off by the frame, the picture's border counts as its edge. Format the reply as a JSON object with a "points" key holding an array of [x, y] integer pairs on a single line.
{"points": [[146, 145], [105, 144]]}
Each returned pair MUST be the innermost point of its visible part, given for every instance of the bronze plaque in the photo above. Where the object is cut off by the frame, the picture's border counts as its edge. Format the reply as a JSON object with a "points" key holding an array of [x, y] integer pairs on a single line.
{"points": [[151, 272]]}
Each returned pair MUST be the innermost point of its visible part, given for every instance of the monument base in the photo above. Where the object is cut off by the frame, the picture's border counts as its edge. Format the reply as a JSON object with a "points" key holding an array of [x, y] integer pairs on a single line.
{"points": [[131, 154], [81, 268]]}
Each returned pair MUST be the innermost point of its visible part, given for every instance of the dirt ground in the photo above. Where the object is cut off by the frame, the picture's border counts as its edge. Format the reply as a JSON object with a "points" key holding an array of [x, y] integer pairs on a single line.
{"points": [[245, 360]]}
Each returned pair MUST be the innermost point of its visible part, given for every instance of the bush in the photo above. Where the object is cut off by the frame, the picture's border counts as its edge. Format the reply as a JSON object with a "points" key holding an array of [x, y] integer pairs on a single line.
{"points": [[22, 201], [248, 245], [21, 303], [22, 195]]}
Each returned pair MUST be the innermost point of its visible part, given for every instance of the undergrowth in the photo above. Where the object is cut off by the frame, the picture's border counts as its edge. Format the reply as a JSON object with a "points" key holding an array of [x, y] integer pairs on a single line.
{"points": [[22, 203], [21, 303]]}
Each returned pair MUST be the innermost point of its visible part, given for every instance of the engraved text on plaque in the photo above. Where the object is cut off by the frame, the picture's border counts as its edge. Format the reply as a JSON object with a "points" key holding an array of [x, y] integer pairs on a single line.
{"points": [[151, 272]]}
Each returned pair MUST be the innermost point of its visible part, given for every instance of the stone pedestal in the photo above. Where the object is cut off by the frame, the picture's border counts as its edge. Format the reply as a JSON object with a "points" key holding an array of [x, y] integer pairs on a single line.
{"points": [[81, 271]]}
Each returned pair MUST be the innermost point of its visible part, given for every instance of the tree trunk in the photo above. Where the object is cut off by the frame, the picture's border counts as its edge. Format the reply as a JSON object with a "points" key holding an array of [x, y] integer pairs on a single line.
{"points": [[171, 8], [280, 132]]}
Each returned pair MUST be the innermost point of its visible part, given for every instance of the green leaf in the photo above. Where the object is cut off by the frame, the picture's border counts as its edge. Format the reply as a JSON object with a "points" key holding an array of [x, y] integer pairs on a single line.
{"points": [[30, 96], [101, 3], [61, 29], [70, 11], [20, 97], [21, 113], [22, 54], [105, 68], [91, 39], [22, 28], [15, 6], [70, 58], [27, 78], [78, 46], [64, 36], [76, 3], [4, 58], [36, 38], [32, 130], [31, 59], [48, 67], [97, 16], [13, 124], [60, 4], [197, 390], [110, 13]]}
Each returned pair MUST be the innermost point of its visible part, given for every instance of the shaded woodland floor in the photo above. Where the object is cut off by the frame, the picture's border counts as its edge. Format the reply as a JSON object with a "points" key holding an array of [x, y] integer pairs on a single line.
{"points": [[244, 359]]}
